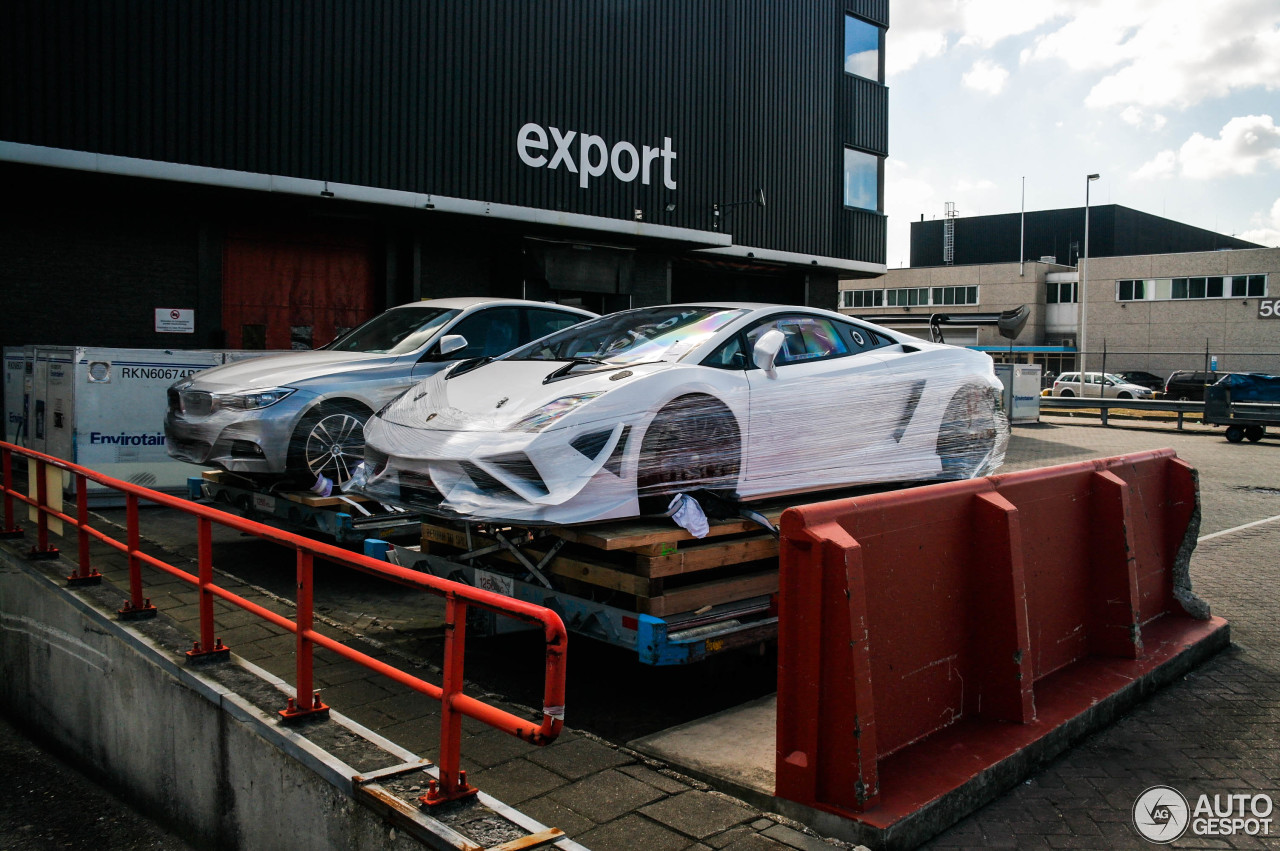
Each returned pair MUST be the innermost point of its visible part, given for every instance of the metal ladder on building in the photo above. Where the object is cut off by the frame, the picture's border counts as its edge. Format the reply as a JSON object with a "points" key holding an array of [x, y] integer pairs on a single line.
{"points": [[949, 234]]}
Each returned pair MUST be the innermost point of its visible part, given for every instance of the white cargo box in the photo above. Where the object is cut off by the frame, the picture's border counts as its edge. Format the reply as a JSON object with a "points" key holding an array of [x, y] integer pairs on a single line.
{"points": [[103, 408], [17, 392], [1021, 391]]}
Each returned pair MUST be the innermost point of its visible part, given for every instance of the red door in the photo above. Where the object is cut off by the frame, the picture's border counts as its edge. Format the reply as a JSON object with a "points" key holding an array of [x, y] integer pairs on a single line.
{"points": [[294, 292]]}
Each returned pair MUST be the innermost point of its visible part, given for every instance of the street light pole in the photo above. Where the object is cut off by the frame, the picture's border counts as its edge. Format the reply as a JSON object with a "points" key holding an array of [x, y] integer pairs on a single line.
{"points": [[1082, 276]]}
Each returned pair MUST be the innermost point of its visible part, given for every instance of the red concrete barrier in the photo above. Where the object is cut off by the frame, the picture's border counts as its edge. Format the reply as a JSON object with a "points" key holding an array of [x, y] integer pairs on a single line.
{"points": [[930, 635]]}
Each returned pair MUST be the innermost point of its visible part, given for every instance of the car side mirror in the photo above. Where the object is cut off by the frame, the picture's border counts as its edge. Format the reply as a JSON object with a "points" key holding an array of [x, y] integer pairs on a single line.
{"points": [[765, 353], [452, 343]]}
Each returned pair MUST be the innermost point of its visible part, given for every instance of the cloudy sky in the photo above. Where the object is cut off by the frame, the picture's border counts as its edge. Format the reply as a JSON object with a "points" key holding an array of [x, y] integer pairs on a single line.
{"points": [[1176, 103]]}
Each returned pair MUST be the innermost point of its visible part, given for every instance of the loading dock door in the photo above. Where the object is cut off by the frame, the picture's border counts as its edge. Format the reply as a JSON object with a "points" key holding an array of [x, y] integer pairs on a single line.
{"points": [[294, 292]]}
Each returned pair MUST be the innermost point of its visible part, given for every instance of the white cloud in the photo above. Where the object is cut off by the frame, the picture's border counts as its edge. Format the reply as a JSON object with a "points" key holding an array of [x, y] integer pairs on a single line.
{"points": [[964, 186], [1268, 230], [1164, 165], [864, 64], [986, 76], [1247, 145], [1149, 53], [908, 195], [1137, 117], [921, 28], [1173, 53]]}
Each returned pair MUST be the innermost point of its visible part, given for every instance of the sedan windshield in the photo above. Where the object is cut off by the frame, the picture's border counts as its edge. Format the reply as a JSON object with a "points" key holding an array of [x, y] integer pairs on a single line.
{"points": [[632, 336], [395, 332]]}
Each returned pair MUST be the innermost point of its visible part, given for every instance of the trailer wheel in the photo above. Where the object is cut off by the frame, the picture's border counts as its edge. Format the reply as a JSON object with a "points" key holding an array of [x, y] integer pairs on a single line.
{"points": [[329, 442], [1235, 434], [1254, 433]]}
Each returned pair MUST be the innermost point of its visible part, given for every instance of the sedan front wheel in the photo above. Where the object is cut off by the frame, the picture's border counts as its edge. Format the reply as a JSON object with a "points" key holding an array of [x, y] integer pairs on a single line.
{"points": [[329, 443]]}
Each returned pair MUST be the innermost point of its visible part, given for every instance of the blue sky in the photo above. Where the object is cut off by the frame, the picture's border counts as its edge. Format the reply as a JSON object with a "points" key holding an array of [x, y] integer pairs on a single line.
{"points": [[1176, 103]]}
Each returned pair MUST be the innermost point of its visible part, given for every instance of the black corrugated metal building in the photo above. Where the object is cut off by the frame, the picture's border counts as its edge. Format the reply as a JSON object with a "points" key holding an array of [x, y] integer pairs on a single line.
{"points": [[1114, 231], [346, 155]]}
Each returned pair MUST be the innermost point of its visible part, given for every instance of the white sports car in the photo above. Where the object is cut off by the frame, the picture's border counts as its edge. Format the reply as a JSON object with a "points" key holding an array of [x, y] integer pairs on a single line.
{"points": [[613, 416]]}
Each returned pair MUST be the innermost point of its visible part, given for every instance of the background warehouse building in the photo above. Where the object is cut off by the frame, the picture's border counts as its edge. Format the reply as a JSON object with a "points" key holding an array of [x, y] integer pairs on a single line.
{"points": [[279, 170], [1159, 296]]}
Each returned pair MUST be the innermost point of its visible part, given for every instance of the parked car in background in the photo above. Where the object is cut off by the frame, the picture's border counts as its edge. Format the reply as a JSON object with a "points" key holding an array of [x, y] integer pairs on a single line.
{"points": [[1102, 385], [302, 414], [613, 417], [1189, 385], [1149, 380]]}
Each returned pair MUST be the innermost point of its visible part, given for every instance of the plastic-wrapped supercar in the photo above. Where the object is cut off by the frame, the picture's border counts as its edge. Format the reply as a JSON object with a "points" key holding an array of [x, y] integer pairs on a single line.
{"points": [[611, 417]]}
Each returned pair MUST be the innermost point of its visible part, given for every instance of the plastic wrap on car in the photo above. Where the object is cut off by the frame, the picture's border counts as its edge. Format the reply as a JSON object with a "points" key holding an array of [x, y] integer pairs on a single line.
{"points": [[635, 441]]}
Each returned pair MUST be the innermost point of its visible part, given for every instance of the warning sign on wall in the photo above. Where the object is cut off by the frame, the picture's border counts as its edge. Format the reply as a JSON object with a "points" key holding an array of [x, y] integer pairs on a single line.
{"points": [[173, 320]]}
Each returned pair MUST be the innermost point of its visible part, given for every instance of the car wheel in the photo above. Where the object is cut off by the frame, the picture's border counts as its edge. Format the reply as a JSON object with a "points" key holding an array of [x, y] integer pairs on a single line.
{"points": [[1066, 394], [692, 443], [1124, 395], [329, 442], [1235, 434], [1254, 433], [968, 433]]}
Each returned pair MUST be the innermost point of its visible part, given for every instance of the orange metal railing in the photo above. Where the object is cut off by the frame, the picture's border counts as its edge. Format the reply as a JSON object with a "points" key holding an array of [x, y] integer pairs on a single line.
{"points": [[458, 597]]}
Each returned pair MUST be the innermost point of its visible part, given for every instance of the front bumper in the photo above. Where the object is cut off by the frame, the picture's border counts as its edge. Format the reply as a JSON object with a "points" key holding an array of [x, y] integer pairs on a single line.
{"points": [[560, 476], [241, 441]]}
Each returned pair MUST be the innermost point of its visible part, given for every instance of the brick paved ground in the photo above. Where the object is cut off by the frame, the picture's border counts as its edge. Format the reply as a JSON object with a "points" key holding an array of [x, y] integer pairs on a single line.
{"points": [[1217, 731]]}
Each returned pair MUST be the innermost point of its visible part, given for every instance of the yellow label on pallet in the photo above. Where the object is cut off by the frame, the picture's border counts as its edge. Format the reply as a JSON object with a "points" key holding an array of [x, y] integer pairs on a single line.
{"points": [[52, 493]]}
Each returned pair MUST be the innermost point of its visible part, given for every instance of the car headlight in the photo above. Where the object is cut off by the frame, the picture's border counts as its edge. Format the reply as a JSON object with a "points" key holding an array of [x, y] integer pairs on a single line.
{"points": [[553, 411], [250, 400]]}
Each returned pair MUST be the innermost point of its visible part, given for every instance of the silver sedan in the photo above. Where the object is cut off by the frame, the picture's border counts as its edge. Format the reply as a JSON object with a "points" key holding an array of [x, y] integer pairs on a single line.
{"points": [[302, 414]]}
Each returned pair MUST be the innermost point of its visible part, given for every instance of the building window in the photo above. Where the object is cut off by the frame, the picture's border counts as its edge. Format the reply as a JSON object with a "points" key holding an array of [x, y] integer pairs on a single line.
{"points": [[955, 295], [862, 48], [907, 297], [1248, 285], [1061, 293], [1178, 289], [861, 180], [862, 298]]}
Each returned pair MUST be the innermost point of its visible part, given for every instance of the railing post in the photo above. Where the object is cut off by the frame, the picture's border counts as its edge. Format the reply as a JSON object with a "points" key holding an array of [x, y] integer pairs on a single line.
{"points": [[85, 575], [11, 528], [42, 549], [137, 606], [453, 780], [307, 703], [208, 648]]}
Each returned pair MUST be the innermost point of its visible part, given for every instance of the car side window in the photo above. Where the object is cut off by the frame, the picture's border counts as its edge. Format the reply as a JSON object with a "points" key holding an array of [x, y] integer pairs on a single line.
{"points": [[860, 338], [728, 355], [544, 322], [807, 338], [489, 333]]}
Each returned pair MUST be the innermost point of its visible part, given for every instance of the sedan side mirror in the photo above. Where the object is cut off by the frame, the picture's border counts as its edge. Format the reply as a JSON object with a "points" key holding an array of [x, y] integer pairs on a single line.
{"points": [[765, 353], [452, 343]]}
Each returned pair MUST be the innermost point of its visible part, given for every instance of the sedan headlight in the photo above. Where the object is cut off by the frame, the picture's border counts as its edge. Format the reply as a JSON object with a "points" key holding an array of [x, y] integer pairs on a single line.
{"points": [[553, 411], [250, 400]]}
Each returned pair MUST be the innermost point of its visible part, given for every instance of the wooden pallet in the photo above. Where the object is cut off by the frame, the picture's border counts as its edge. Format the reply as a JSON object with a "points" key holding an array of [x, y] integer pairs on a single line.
{"points": [[652, 567]]}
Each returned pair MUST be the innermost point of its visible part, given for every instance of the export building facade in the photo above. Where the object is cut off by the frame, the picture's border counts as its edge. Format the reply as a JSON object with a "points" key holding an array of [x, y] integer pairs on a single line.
{"points": [[273, 172]]}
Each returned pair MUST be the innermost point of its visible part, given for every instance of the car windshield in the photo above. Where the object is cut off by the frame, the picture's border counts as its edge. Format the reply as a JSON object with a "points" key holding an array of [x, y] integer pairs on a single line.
{"points": [[395, 332], [633, 336], [1115, 379]]}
